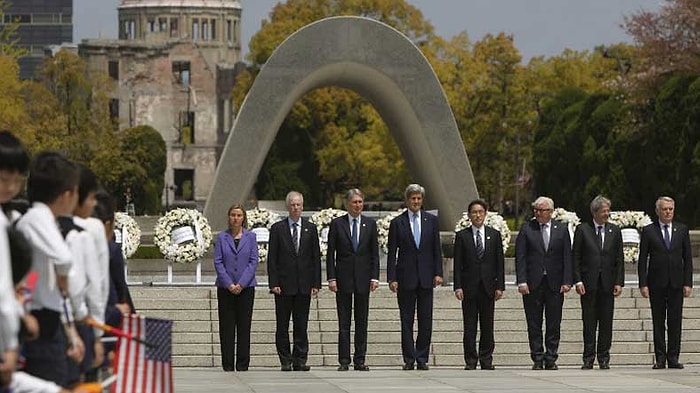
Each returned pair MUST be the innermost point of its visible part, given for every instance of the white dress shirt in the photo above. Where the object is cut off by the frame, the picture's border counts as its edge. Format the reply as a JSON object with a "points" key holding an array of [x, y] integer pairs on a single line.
{"points": [[9, 320]]}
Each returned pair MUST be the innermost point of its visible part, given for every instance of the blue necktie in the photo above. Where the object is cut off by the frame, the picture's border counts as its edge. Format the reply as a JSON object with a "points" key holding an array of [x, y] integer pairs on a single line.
{"points": [[416, 230], [667, 237], [355, 237]]}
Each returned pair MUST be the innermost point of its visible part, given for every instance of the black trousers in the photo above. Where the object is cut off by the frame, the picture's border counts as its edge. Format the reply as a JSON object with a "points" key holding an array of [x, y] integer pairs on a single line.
{"points": [[343, 302], [296, 307], [409, 300], [543, 300], [597, 310], [666, 309], [478, 308], [46, 356], [235, 316]]}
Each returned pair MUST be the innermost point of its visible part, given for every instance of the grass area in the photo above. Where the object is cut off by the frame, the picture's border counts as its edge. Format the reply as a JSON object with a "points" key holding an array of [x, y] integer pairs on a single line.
{"points": [[147, 252]]}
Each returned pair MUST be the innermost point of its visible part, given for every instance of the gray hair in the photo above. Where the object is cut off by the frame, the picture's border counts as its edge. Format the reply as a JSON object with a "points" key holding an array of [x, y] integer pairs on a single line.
{"points": [[598, 202], [352, 192], [543, 199], [414, 189], [292, 194], [664, 199]]}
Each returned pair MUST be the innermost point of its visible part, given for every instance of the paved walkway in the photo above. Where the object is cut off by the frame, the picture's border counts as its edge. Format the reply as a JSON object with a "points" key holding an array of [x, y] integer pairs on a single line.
{"points": [[439, 380]]}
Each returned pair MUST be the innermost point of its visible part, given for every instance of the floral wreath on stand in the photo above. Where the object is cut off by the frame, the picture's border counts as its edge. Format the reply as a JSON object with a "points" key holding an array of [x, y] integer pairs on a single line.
{"points": [[127, 234], [569, 218], [494, 220], [630, 223], [322, 219], [383, 229], [260, 221], [183, 235]]}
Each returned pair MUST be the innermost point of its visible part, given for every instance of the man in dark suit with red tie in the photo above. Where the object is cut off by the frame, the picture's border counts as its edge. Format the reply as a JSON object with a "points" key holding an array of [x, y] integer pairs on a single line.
{"points": [[294, 270], [599, 274], [543, 269], [479, 281], [665, 270], [352, 265], [414, 268]]}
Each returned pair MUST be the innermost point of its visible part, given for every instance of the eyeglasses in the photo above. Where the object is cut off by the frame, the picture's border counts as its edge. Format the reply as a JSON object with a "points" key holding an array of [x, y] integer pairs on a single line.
{"points": [[14, 179], [477, 213], [538, 210]]}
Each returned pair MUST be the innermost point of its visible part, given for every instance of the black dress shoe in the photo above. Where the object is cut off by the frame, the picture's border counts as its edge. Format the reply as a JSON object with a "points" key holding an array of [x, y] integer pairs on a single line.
{"points": [[408, 366], [537, 366], [604, 365], [587, 365], [659, 365], [470, 366], [228, 369], [488, 366], [422, 366], [343, 367], [286, 367], [301, 367], [241, 368], [551, 366], [676, 365], [361, 367]]}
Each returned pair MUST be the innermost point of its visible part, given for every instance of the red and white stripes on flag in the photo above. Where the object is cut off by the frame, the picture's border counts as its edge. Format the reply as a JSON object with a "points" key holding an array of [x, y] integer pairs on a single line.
{"points": [[142, 368]]}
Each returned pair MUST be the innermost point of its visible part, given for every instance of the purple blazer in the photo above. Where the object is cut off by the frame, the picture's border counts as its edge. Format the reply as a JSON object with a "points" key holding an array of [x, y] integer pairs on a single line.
{"points": [[235, 265]]}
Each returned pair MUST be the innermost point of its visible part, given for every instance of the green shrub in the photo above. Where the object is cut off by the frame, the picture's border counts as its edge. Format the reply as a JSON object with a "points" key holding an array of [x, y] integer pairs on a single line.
{"points": [[147, 252]]}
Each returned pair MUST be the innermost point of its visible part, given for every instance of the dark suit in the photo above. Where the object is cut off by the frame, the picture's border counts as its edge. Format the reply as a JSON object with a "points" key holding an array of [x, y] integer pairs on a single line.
{"points": [[600, 269], [544, 271], [352, 270], [414, 269], [666, 271], [478, 278], [235, 264], [296, 273]]}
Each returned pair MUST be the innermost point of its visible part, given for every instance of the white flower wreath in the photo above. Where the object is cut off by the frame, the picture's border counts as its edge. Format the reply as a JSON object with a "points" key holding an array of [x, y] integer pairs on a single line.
{"points": [[322, 219], [262, 218], [383, 229], [569, 218], [183, 235], [494, 220], [631, 223], [126, 233]]}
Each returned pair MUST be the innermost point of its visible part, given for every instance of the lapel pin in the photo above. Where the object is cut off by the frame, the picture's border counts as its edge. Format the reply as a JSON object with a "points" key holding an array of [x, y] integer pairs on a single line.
{"points": [[488, 237]]}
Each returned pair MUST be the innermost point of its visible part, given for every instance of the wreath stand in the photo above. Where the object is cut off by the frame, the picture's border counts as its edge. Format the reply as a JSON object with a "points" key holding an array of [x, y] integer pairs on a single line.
{"points": [[197, 273]]}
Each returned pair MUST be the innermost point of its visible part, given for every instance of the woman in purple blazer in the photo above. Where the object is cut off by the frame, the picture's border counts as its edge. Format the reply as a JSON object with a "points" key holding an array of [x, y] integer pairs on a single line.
{"points": [[235, 261]]}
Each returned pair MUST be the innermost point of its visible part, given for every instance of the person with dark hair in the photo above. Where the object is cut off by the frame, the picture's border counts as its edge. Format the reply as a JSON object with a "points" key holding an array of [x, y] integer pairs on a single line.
{"points": [[14, 161], [352, 264], [52, 190], [89, 275], [414, 268], [479, 281], [235, 261], [119, 299]]}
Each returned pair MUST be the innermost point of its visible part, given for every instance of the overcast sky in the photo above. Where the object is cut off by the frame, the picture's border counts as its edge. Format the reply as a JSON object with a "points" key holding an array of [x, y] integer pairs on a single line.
{"points": [[540, 27]]}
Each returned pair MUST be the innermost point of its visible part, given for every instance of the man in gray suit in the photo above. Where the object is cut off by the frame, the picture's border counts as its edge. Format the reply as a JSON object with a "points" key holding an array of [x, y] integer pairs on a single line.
{"points": [[543, 269], [599, 274], [665, 277]]}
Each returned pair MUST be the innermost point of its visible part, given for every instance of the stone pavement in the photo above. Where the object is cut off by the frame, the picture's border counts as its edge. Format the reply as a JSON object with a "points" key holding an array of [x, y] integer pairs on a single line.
{"points": [[439, 380]]}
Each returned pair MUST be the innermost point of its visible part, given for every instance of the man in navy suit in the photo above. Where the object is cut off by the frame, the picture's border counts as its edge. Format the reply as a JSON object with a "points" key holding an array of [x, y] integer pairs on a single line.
{"points": [[599, 274], [294, 270], [479, 281], [665, 277], [543, 269], [414, 268], [352, 265]]}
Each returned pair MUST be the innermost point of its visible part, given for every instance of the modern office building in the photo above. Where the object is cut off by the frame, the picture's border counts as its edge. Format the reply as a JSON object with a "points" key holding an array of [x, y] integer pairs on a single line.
{"points": [[41, 23]]}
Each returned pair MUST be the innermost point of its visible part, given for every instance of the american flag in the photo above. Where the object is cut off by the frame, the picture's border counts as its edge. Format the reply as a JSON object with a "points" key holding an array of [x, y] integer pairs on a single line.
{"points": [[142, 368]]}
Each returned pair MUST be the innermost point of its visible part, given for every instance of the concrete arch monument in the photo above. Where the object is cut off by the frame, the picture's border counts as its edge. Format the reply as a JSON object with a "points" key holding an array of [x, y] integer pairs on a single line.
{"points": [[379, 63]]}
